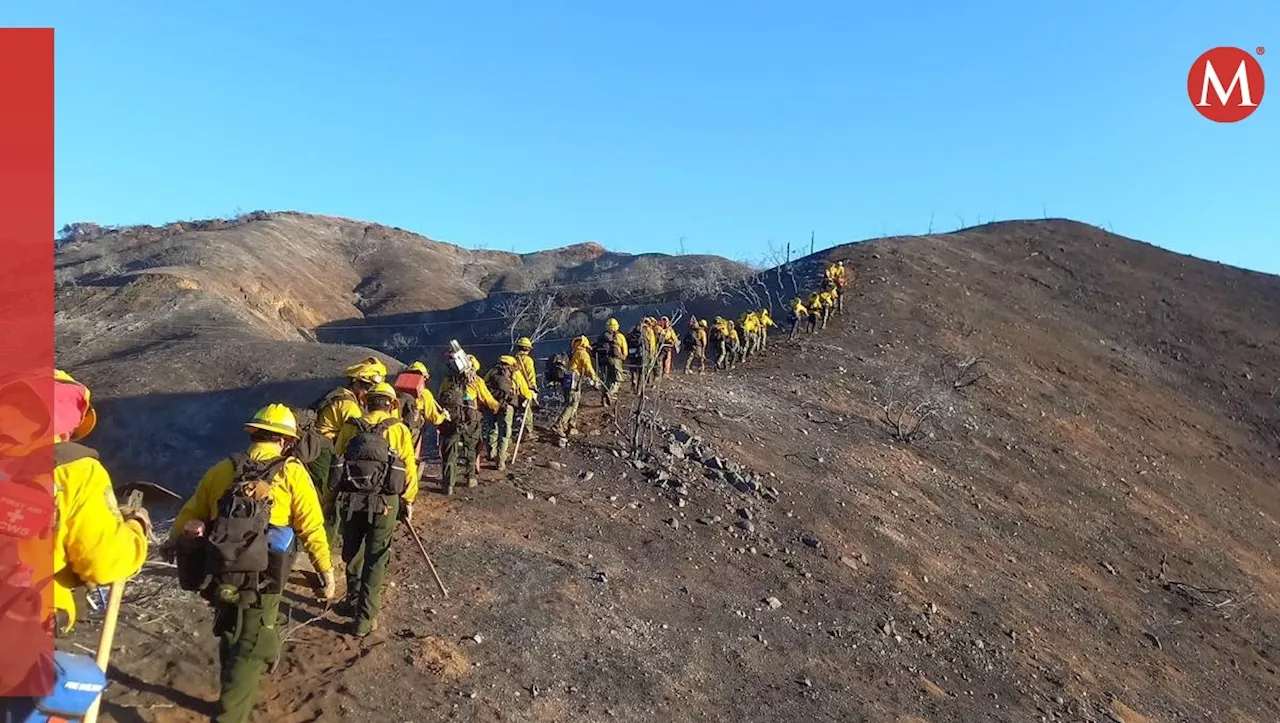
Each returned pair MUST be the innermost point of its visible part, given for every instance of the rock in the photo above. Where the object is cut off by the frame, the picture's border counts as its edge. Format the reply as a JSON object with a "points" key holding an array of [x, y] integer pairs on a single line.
{"points": [[705, 521], [744, 513], [588, 476], [552, 465], [747, 525], [683, 435], [682, 490], [742, 484], [478, 638], [675, 524], [716, 463], [528, 495], [773, 603], [887, 628], [562, 442], [849, 562], [552, 499], [681, 502], [811, 540], [638, 464], [675, 450]]}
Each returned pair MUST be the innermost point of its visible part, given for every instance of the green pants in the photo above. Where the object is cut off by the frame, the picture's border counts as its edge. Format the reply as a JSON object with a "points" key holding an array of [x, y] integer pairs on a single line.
{"points": [[248, 642], [614, 373], [460, 444], [501, 427], [696, 354], [570, 411], [366, 552], [722, 354]]}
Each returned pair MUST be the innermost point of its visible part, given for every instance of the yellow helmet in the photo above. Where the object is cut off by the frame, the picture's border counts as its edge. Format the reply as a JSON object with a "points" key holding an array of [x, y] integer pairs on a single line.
{"points": [[507, 359], [524, 342], [366, 372], [475, 363], [420, 368], [582, 341], [275, 418], [383, 389], [89, 415], [702, 323], [611, 325]]}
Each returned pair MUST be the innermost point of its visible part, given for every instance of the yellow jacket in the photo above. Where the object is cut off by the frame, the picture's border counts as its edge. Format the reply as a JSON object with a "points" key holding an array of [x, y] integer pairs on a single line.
{"points": [[828, 298], [580, 363], [765, 321], [401, 442], [293, 497], [816, 301], [340, 407], [671, 338], [524, 363], [748, 323], [700, 337], [92, 543], [619, 343], [798, 309]]}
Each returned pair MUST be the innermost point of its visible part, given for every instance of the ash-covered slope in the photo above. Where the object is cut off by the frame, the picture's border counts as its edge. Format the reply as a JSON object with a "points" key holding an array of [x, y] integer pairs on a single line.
{"points": [[1086, 532]]}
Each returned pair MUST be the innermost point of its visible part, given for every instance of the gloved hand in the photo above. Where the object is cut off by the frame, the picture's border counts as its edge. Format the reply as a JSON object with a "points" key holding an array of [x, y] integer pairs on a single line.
{"points": [[168, 551], [447, 417], [328, 586], [140, 516], [406, 512]]}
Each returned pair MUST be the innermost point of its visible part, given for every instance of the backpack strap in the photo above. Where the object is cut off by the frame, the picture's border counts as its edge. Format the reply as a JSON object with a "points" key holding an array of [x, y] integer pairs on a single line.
{"points": [[384, 425], [68, 452]]}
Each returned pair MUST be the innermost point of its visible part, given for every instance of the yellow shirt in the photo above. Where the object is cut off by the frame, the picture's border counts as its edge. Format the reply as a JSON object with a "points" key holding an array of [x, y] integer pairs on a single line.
{"points": [[525, 364], [92, 543], [478, 389], [294, 502], [580, 363], [342, 405], [401, 442]]}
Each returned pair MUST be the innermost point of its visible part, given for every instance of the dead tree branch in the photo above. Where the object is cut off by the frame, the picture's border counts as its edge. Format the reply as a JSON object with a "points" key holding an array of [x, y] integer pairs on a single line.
{"points": [[906, 422], [959, 373]]}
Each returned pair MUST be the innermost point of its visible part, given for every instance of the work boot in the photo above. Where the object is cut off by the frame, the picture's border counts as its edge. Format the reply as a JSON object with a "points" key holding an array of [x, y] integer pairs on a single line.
{"points": [[345, 607], [502, 466], [448, 490], [472, 482], [355, 629]]}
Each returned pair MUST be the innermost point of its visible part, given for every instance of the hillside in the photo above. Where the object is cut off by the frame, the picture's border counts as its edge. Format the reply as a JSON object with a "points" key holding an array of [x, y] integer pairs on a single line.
{"points": [[218, 315], [1087, 532]]}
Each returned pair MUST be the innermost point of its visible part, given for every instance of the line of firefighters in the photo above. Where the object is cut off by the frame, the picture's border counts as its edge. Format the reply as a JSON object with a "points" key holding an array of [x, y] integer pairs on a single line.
{"points": [[343, 471]]}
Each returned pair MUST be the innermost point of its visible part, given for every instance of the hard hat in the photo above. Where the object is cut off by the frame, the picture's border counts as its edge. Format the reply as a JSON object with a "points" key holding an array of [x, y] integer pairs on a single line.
{"points": [[702, 323], [524, 342], [420, 368], [275, 418], [611, 325], [366, 372], [475, 363], [73, 414], [582, 341], [507, 359], [382, 389]]}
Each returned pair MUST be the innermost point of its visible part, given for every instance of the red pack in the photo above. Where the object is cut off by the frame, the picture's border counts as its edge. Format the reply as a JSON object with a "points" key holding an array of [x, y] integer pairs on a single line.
{"points": [[411, 382], [26, 509]]}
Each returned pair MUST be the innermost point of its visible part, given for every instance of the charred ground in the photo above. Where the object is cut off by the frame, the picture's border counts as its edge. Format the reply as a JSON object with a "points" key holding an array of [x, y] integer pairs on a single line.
{"points": [[1088, 531]]}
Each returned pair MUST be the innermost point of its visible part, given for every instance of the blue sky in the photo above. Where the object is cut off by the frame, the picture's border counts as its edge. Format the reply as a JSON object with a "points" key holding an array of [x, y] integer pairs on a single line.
{"points": [[525, 125]]}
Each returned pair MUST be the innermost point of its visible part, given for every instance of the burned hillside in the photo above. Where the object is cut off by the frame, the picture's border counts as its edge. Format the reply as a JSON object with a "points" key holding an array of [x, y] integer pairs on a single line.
{"points": [[1029, 474]]}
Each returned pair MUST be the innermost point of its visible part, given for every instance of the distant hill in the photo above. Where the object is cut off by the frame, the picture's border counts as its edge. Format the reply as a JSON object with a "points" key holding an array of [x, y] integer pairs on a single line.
{"points": [[213, 313]]}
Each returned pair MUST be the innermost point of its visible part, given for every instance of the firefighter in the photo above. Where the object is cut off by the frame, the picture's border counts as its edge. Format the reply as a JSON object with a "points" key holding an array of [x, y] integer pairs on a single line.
{"points": [[507, 383], [614, 350], [462, 395], [764, 322], [376, 476], [580, 370], [697, 344], [799, 315], [262, 494]]}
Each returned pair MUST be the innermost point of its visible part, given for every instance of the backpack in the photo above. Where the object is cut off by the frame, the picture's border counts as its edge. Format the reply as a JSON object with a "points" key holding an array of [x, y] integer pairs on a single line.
{"points": [[461, 405], [411, 414], [318, 405], [557, 369], [613, 349], [236, 538], [369, 466], [504, 384]]}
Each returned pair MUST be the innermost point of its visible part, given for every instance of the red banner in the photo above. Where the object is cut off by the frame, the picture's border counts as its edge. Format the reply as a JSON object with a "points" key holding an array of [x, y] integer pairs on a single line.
{"points": [[27, 520]]}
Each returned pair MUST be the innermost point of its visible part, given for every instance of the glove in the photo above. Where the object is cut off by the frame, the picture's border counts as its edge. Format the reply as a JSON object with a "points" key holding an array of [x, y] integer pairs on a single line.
{"points": [[405, 514], [140, 516], [447, 416], [328, 586]]}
